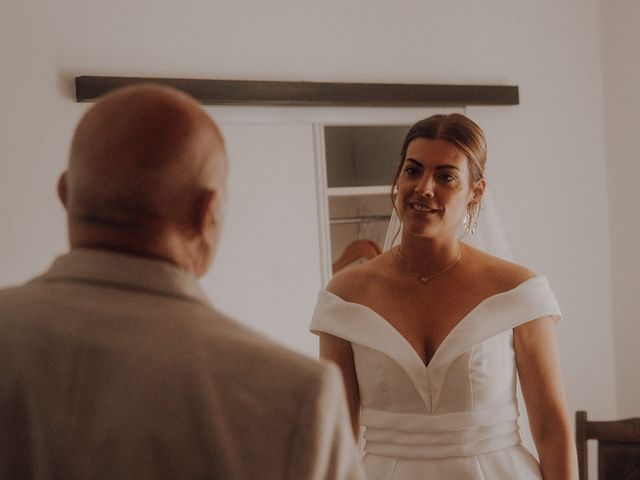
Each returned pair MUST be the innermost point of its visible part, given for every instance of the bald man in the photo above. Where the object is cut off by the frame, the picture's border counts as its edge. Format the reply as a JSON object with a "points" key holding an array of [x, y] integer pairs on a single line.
{"points": [[113, 364]]}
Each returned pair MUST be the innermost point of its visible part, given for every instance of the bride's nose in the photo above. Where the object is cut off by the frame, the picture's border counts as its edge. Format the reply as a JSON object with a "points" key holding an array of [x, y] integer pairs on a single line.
{"points": [[424, 187]]}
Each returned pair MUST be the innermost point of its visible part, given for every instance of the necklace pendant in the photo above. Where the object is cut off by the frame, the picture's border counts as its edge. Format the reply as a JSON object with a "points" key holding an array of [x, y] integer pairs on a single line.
{"points": [[424, 279]]}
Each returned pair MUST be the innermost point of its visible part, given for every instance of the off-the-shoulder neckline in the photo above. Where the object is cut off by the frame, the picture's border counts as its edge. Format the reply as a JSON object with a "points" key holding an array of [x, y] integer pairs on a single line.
{"points": [[469, 314]]}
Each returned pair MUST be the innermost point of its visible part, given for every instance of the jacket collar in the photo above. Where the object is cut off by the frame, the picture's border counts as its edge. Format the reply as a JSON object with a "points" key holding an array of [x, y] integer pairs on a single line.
{"points": [[130, 272]]}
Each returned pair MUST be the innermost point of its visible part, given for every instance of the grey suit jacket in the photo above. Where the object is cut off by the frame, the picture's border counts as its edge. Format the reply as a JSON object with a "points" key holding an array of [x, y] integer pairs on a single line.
{"points": [[116, 367]]}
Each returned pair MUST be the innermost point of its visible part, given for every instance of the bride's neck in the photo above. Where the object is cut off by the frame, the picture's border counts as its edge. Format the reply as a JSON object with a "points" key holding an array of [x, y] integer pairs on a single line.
{"points": [[429, 253]]}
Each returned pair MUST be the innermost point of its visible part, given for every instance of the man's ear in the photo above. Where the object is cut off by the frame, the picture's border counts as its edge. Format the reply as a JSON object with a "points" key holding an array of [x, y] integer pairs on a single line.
{"points": [[62, 189], [207, 211]]}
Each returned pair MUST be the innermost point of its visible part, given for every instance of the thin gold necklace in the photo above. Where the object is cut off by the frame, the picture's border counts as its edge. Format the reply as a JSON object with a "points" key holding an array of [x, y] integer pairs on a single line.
{"points": [[397, 254]]}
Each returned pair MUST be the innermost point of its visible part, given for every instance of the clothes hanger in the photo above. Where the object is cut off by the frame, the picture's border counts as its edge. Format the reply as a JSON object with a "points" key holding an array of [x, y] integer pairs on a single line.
{"points": [[354, 251]]}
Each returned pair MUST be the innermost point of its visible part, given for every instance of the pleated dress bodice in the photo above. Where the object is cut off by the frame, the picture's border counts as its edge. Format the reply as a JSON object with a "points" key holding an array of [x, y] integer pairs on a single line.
{"points": [[456, 417]]}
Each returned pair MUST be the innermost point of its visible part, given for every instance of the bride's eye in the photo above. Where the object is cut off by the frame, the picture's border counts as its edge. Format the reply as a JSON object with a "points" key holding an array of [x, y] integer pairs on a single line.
{"points": [[411, 170], [447, 177]]}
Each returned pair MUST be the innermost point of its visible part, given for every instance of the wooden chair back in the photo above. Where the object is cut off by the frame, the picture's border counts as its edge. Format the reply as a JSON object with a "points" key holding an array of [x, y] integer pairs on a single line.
{"points": [[618, 447]]}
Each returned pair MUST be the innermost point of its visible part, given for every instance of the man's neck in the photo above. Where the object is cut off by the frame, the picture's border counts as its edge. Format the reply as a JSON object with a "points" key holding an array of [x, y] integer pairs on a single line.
{"points": [[163, 244]]}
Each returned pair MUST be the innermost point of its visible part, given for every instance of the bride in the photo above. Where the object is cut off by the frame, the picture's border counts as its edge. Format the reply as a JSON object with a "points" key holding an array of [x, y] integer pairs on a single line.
{"points": [[431, 334]]}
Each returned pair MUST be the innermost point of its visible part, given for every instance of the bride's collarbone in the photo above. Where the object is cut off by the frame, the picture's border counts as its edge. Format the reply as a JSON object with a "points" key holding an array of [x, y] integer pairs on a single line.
{"points": [[423, 308], [446, 300], [430, 296]]}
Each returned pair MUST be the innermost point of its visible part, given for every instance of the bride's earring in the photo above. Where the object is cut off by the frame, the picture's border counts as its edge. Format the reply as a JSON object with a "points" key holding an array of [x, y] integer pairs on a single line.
{"points": [[466, 223], [469, 222]]}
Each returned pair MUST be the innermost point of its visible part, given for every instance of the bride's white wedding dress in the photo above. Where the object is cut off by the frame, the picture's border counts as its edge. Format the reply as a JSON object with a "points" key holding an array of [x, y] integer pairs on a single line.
{"points": [[455, 418]]}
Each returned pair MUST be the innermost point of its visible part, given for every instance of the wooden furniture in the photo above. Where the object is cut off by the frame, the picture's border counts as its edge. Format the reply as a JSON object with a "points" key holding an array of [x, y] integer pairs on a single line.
{"points": [[355, 251], [251, 92], [618, 447]]}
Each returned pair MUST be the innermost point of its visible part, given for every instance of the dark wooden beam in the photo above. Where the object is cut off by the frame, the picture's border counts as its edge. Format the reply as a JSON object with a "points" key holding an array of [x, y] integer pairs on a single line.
{"points": [[248, 92]]}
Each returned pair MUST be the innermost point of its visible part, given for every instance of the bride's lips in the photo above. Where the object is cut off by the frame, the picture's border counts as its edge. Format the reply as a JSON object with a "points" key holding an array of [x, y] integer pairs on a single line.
{"points": [[422, 209]]}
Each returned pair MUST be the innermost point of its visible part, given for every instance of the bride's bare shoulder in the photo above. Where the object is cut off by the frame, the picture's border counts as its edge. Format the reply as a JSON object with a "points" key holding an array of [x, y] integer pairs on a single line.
{"points": [[502, 273], [353, 282]]}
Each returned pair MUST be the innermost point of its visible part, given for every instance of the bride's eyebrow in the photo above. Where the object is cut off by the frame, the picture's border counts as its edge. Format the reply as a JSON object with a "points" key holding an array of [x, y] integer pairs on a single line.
{"points": [[445, 166], [414, 161]]}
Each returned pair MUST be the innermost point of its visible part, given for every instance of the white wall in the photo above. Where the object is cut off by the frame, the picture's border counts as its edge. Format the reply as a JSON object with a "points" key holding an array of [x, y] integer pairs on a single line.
{"points": [[622, 115], [546, 155], [268, 267]]}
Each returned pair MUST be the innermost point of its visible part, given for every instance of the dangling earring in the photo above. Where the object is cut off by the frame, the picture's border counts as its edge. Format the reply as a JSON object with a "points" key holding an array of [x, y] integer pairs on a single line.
{"points": [[469, 226], [470, 223]]}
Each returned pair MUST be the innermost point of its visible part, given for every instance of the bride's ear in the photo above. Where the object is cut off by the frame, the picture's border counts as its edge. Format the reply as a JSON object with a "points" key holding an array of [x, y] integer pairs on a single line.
{"points": [[478, 189]]}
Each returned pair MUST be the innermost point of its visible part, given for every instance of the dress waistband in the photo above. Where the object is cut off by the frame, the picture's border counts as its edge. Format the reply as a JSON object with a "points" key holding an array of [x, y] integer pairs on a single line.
{"points": [[417, 436]]}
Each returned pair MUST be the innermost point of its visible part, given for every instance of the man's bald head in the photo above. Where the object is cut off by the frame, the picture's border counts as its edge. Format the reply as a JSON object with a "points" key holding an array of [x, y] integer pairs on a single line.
{"points": [[141, 160]]}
